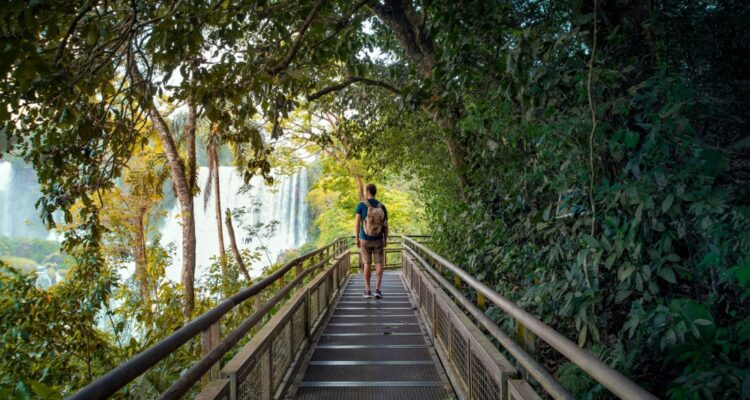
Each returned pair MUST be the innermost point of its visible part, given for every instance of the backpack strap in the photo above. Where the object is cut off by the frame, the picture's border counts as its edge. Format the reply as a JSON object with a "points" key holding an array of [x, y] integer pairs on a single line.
{"points": [[370, 206]]}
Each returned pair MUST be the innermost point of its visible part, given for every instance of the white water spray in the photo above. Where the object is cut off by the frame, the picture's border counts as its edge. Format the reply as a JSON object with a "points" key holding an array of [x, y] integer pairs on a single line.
{"points": [[284, 203]]}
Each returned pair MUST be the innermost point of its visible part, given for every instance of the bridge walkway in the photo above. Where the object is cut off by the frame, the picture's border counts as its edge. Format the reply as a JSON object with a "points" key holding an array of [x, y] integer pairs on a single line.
{"points": [[308, 334], [372, 349]]}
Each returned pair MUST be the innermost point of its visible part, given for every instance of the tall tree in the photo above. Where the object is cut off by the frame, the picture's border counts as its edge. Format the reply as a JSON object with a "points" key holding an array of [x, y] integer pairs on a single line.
{"points": [[183, 173], [213, 183]]}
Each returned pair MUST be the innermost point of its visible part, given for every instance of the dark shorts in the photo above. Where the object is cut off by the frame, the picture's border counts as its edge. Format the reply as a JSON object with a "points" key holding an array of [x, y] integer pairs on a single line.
{"points": [[370, 249]]}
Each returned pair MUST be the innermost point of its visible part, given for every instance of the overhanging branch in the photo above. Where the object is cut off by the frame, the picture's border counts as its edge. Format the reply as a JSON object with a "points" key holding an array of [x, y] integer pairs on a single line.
{"points": [[345, 21], [349, 81], [297, 41]]}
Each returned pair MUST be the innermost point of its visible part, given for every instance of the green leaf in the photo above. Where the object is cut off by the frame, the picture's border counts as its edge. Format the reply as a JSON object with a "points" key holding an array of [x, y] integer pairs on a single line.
{"points": [[610, 261], [668, 275], [108, 89], [622, 295], [590, 240], [624, 273], [93, 35], [631, 138], [742, 273], [44, 391], [582, 336], [667, 203], [547, 212]]}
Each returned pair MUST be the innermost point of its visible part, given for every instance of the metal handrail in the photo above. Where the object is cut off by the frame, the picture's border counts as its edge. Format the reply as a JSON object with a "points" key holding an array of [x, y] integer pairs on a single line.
{"points": [[188, 378], [610, 378], [537, 371], [126, 372]]}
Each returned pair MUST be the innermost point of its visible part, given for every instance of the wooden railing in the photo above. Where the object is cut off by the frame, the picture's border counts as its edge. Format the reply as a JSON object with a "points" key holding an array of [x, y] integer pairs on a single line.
{"points": [[476, 368], [325, 270]]}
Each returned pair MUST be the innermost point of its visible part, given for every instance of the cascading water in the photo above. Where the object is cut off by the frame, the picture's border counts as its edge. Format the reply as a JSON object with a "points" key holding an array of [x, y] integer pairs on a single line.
{"points": [[284, 203], [19, 191], [6, 169]]}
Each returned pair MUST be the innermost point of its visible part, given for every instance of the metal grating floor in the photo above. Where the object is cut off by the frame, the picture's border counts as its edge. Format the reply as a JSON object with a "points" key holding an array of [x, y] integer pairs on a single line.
{"points": [[372, 349], [372, 393]]}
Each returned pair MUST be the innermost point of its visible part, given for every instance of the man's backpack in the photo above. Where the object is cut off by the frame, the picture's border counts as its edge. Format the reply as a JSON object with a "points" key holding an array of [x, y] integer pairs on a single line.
{"points": [[375, 220]]}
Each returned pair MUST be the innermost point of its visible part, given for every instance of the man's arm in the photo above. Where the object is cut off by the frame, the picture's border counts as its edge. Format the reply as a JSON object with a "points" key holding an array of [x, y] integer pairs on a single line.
{"points": [[385, 227], [358, 226]]}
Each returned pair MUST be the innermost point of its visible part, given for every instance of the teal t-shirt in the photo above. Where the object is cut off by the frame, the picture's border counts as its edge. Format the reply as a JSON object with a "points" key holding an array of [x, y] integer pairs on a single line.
{"points": [[362, 211]]}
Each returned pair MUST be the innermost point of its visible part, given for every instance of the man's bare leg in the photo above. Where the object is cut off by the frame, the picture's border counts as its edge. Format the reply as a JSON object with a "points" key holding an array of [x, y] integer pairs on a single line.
{"points": [[378, 274], [367, 278]]}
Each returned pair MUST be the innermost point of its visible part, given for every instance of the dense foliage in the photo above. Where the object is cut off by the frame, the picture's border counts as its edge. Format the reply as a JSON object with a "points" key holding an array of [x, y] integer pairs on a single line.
{"points": [[607, 178], [334, 200], [40, 251], [587, 158]]}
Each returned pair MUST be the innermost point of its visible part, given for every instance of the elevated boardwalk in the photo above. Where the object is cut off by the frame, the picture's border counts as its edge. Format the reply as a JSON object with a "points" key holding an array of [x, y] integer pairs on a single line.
{"points": [[373, 349], [310, 335]]}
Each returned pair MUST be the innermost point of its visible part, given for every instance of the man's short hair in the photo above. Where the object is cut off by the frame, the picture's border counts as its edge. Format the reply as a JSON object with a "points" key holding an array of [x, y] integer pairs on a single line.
{"points": [[371, 189]]}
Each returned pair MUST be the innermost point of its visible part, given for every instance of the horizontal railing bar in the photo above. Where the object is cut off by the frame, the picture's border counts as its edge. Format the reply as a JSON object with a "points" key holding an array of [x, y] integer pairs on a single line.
{"points": [[539, 373], [192, 375], [601, 372]]}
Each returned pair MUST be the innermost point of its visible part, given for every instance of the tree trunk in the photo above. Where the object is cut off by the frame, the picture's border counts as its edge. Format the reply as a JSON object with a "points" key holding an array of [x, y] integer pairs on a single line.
{"points": [[235, 249], [184, 194], [189, 133], [141, 261], [360, 187], [410, 30], [215, 181], [180, 181]]}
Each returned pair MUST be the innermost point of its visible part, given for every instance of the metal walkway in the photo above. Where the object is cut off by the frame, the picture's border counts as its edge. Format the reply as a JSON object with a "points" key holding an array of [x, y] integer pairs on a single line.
{"points": [[372, 349], [310, 335]]}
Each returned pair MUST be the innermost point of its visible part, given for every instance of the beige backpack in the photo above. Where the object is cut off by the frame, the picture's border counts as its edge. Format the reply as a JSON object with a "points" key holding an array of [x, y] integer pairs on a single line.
{"points": [[375, 220]]}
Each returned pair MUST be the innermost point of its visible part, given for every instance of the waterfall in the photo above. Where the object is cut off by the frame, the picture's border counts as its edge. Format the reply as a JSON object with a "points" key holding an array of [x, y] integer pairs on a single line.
{"points": [[6, 170], [19, 192], [283, 202]]}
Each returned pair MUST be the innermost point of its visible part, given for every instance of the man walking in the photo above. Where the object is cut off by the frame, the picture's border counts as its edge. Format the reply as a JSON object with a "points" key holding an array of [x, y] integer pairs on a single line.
{"points": [[372, 234]]}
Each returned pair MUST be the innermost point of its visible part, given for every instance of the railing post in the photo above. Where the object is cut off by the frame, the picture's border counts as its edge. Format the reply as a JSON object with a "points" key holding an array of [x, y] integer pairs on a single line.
{"points": [[308, 321], [210, 339], [525, 338], [298, 269], [481, 302]]}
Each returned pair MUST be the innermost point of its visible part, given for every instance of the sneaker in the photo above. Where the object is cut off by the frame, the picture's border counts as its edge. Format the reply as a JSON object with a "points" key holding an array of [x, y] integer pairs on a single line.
{"points": [[368, 294], [378, 295]]}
